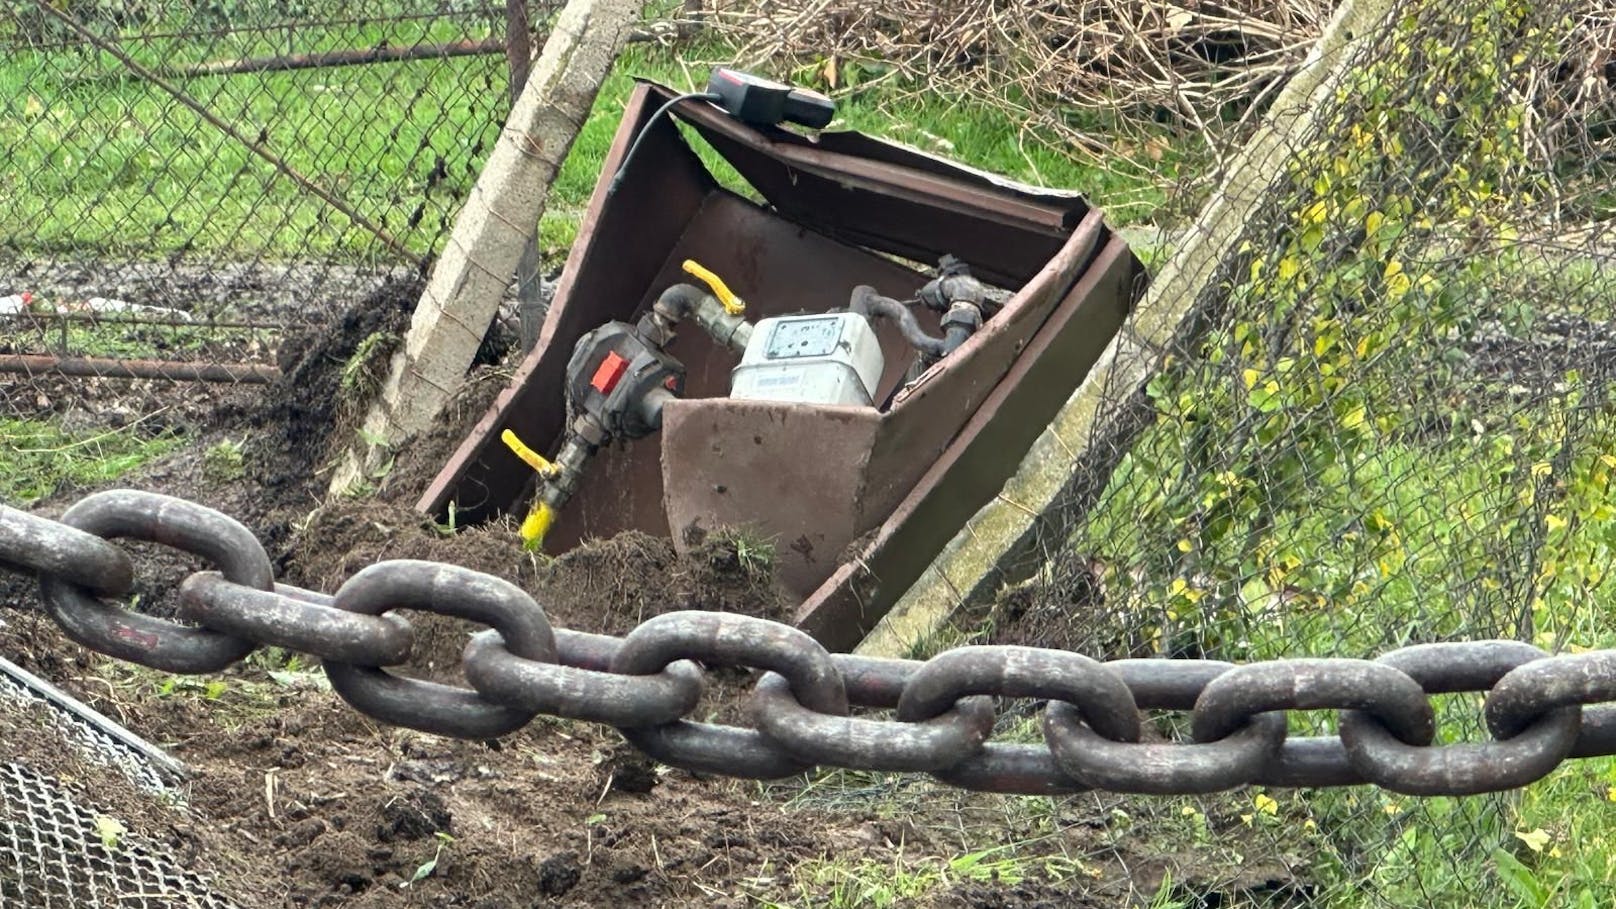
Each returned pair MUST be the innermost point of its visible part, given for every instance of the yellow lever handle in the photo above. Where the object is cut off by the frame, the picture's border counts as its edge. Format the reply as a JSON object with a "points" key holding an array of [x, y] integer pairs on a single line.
{"points": [[534, 460], [732, 304], [536, 525], [541, 516]]}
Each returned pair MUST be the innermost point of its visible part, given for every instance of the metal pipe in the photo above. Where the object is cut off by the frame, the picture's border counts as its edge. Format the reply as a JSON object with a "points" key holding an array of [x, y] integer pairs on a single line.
{"points": [[107, 367], [682, 301], [122, 319], [869, 303], [348, 57]]}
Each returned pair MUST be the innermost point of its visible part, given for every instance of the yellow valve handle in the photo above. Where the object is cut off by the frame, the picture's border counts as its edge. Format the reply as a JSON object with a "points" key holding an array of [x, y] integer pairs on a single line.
{"points": [[732, 304], [534, 460], [536, 525], [541, 516]]}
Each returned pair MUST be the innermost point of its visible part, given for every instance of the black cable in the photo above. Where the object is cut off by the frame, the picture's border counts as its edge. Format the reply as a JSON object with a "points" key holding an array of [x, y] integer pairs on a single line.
{"points": [[660, 113]]}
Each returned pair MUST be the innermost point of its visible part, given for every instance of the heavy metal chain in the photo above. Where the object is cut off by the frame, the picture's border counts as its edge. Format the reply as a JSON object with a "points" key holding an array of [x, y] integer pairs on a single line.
{"points": [[934, 716]]}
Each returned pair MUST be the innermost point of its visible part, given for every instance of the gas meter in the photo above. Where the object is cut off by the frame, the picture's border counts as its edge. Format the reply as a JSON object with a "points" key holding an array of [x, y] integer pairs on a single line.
{"points": [[621, 375], [817, 359]]}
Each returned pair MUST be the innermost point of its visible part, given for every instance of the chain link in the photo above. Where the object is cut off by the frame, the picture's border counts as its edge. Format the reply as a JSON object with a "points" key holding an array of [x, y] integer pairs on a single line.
{"points": [[935, 716]]}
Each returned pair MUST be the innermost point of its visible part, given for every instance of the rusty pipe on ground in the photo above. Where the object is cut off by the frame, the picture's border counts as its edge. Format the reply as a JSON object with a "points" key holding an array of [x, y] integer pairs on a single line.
{"points": [[108, 367]]}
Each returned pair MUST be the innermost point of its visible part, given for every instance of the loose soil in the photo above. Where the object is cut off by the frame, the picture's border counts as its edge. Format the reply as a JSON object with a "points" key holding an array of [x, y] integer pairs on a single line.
{"points": [[297, 800]]}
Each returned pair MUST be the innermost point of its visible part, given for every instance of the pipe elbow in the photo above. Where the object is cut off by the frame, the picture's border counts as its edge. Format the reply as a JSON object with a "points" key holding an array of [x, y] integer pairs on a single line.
{"points": [[862, 301], [868, 302], [680, 300]]}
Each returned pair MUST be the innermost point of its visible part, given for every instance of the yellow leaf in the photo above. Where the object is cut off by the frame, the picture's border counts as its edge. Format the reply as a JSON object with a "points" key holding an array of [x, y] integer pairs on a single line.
{"points": [[1185, 546], [1251, 376], [1610, 794], [110, 830], [1354, 418], [1554, 521], [1247, 819], [1315, 213], [1288, 268], [1373, 223], [1398, 282], [1535, 840], [1265, 804]]}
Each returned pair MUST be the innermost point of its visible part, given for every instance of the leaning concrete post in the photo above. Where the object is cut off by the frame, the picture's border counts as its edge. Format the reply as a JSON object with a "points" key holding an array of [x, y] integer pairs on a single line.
{"points": [[498, 220]]}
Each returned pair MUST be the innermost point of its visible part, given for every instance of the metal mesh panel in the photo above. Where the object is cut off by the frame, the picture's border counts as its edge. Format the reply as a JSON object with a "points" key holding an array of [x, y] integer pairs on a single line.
{"points": [[57, 847], [96, 744], [52, 855]]}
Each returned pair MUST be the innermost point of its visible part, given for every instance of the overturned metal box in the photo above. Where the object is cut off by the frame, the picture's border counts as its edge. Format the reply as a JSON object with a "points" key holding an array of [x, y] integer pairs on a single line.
{"points": [[857, 499]]}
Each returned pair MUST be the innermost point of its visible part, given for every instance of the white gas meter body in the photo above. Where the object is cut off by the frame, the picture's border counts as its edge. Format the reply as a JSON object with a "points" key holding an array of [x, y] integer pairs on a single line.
{"points": [[819, 359]]}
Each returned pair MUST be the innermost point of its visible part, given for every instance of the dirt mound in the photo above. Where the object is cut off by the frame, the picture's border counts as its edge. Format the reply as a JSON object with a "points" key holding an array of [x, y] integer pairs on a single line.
{"points": [[306, 404], [417, 460], [606, 586]]}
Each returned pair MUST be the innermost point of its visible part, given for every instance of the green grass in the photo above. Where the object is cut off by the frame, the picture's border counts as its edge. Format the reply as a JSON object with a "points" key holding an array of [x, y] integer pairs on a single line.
{"points": [[115, 165], [42, 457]]}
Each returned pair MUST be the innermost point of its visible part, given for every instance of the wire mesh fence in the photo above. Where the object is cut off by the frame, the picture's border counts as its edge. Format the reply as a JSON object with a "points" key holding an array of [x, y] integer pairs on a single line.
{"points": [[1388, 420], [187, 180]]}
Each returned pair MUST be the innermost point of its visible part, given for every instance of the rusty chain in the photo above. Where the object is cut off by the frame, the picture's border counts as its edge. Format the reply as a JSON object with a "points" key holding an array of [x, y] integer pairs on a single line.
{"points": [[940, 713]]}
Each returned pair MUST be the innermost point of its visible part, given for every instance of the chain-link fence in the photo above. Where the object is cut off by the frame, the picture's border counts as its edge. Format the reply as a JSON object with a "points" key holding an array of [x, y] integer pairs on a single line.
{"points": [[1386, 420], [186, 180]]}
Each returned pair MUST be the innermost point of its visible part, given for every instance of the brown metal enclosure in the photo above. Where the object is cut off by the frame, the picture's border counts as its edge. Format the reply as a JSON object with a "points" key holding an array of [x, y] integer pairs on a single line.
{"points": [[835, 212]]}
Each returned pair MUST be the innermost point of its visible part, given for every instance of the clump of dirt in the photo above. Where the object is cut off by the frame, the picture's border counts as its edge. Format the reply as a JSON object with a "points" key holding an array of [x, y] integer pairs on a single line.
{"points": [[417, 460], [305, 406], [605, 586]]}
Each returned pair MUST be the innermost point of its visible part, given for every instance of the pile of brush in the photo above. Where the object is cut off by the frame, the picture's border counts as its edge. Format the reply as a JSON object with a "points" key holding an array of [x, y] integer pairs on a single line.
{"points": [[1202, 65]]}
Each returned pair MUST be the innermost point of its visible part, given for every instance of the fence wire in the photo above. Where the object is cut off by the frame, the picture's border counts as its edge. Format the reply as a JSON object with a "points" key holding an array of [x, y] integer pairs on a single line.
{"points": [[1388, 421], [187, 180]]}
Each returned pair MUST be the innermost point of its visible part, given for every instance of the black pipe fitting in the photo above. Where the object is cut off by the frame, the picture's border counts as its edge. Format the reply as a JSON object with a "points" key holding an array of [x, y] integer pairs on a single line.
{"points": [[960, 322], [953, 285], [869, 303]]}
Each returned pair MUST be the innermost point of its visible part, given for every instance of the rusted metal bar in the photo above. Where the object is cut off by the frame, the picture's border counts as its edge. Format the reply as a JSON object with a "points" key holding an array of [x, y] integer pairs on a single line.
{"points": [[111, 368], [361, 56], [475, 15], [100, 319], [350, 57], [518, 47]]}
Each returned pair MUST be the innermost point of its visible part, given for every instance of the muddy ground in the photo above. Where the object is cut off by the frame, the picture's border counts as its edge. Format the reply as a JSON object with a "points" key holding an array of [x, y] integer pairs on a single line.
{"points": [[296, 800]]}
